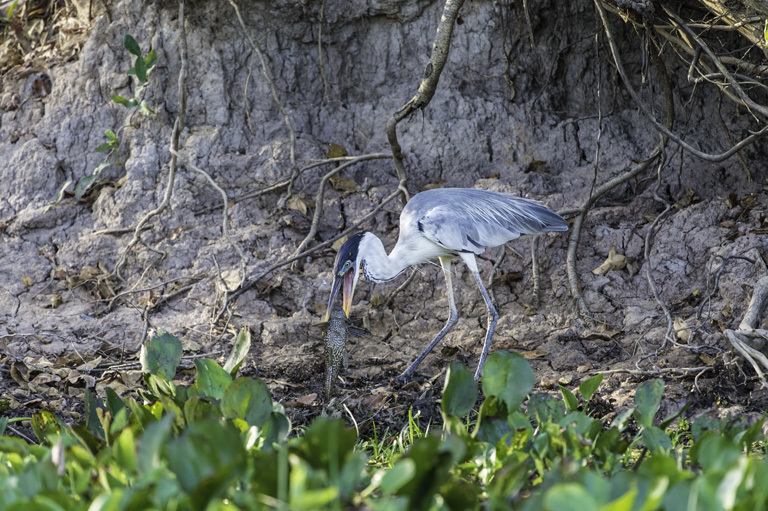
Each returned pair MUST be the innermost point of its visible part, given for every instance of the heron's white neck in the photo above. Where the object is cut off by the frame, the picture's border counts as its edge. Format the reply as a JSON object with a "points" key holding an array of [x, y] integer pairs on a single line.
{"points": [[380, 267]]}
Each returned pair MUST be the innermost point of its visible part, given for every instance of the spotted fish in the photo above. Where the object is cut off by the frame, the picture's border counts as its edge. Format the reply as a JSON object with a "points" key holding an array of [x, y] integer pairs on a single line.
{"points": [[336, 347]]}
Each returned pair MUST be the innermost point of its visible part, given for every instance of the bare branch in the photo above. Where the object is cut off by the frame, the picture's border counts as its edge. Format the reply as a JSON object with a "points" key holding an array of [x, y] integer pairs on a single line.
{"points": [[428, 85]]}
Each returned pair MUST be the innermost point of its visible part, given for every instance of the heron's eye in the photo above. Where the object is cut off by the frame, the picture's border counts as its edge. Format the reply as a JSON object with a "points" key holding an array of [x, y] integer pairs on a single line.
{"points": [[345, 268]]}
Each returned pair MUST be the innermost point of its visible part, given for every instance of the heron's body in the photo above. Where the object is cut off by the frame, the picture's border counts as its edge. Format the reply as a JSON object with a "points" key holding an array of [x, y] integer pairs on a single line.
{"points": [[444, 223]]}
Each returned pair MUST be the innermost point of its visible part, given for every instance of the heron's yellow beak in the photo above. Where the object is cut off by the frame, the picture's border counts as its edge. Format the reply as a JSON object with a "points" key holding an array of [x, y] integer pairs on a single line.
{"points": [[348, 284]]}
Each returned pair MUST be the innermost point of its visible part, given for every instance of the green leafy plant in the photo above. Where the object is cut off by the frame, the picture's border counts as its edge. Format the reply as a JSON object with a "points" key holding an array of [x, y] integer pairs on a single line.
{"points": [[222, 443], [141, 69]]}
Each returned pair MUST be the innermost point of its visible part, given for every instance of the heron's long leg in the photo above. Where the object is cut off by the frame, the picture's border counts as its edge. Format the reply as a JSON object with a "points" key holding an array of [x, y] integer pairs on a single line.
{"points": [[445, 262], [493, 316]]}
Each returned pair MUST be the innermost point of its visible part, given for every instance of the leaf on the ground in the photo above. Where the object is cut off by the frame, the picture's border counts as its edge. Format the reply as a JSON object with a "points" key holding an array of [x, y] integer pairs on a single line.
{"points": [[307, 399], [682, 331], [297, 203], [613, 262], [336, 151], [689, 197], [230, 279], [537, 166], [27, 281], [338, 243], [727, 310], [83, 185], [239, 351], [532, 354], [431, 186], [56, 300], [600, 335], [161, 355], [343, 184]]}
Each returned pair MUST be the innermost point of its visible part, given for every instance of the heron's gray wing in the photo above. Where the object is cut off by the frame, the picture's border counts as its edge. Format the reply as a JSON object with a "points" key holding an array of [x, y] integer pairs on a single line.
{"points": [[469, 220]]}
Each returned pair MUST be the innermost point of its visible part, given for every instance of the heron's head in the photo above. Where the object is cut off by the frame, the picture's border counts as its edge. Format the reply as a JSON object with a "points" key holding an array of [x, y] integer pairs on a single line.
{"points": [[346, 271]]}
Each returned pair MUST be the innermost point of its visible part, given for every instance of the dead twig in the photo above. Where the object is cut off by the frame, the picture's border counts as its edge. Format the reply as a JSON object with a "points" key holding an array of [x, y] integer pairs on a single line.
{"points": [[321, 194]]}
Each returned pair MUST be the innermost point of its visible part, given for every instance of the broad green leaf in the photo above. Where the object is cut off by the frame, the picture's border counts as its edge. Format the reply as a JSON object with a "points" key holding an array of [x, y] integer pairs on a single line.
{"points": [[569, 497], [151, 444], [197, 409], [140, 68], [122, 101], [623, 503], [207, 459], [509, 377], [92, 420], [396, 477], [114, 403], [130, 44], [275, 430], [124, 449], [587, 388], [570, 400], [239, 351], [460, 391], [83, 185], [151, 59], [211, 380], [247, 399], [655, 439], [110, 135], [105, 147], [648, 399], [544, 408], [161, 356], [3, 425], [44, 424], [327, 442], [492, 423]]}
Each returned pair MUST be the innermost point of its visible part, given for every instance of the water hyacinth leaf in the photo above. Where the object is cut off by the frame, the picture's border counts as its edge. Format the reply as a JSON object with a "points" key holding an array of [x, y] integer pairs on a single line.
{"points": [[206, 459], [492, 423], [569, 497], [130, 44], [655, 439], [460, 391], [275, 430], [570, 400], [326, 443], [239, 351], [647, 400], [544, 408], [247, 399], [44, 424], [587, 388], [398, 476], [151, 443], [161, 356], [212, 380], [509, 377]]}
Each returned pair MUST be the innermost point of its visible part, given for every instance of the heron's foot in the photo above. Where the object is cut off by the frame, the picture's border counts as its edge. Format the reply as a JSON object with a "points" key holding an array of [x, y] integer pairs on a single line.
{"points": [[403, 378]]}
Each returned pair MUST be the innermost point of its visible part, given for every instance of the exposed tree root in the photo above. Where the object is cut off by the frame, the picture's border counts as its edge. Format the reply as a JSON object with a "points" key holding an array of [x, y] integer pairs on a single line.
{"points": [[748, 340]]}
